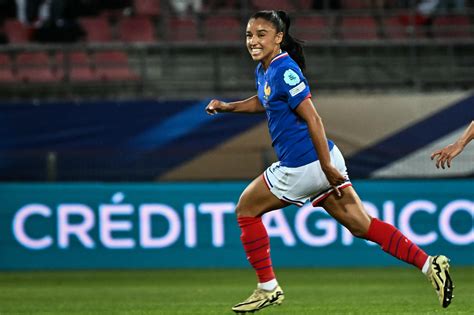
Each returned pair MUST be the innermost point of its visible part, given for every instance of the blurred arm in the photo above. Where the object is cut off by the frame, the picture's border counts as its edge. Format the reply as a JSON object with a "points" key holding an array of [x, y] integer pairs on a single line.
{"points": [[250, 105]]}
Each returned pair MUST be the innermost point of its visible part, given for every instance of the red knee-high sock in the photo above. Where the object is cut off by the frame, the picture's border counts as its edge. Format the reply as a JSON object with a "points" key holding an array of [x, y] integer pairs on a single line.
{"points": [[395, 243], [256, 243]]}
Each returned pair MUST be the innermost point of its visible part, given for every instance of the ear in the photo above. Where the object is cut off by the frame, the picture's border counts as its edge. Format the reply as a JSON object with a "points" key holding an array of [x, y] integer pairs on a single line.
{"points": [[279, 38]]}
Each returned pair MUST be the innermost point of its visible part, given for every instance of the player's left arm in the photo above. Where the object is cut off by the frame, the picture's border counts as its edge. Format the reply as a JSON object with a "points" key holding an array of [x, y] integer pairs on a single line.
{"points": [[448, 153], [307, 111]]}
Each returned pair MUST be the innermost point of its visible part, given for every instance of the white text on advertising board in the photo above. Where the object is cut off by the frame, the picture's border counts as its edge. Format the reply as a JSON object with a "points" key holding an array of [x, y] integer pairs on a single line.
{"points": [[182, 224]]}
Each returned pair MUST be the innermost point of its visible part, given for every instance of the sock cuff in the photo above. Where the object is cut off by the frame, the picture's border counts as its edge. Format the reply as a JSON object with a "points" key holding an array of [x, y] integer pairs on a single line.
{"points": [[379, 230], [243, 221], [426, 265], [372, 227]]}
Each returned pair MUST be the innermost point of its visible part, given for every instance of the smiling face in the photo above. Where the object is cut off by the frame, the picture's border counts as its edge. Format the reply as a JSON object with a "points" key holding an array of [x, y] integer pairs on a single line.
{"points": [[263, 41]]}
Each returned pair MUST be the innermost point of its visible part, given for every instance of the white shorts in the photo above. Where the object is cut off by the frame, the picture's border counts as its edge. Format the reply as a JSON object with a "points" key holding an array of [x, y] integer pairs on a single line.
{"points": [[297, 185]]}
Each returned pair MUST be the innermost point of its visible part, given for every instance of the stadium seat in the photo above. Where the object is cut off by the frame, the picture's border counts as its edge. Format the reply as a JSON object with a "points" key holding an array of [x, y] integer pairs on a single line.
{"points": [[35, 67], [417, 25], [354, 4], [115, 9], [17, 33], [223, 28], [114, 66], [306, 4], [97, 29], [286, 5], [394, 29], [147, 7], [6, 71], [453, 26], [75, 66], [136, 29], [358, 28], [220, 6], [311, 28], [182, 29]]}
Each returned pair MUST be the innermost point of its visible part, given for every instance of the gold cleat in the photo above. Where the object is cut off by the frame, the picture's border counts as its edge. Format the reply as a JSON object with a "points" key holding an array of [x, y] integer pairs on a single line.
{"points": [[438, 274], [260, 299]]}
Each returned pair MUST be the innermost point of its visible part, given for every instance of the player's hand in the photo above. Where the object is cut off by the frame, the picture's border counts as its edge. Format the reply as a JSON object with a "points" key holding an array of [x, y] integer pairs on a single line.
{"points": [[216, 106], [446, 154], [334, 178]]}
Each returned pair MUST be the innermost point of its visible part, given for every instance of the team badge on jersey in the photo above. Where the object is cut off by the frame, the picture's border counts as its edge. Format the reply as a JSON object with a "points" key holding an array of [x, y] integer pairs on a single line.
{"points": [[291, 77], [267, 90]]}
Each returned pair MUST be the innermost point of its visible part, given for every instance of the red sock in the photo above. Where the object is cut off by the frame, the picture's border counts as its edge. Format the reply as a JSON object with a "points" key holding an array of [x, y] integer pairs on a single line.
{"points": [[395, 243], [256, 243]]}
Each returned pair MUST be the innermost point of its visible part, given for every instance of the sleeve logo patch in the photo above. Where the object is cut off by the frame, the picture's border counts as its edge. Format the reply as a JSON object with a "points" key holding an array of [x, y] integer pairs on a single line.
{"points": [[291, 77], [298, 89]]}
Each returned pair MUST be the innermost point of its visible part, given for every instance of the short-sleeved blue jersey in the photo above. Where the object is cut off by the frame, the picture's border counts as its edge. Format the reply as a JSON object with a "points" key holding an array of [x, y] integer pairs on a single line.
{"points": [[281, 88]]}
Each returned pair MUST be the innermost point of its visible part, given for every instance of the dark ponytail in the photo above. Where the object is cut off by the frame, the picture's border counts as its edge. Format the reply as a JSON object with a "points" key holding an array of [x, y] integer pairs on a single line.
{"points": [[282, 23]]}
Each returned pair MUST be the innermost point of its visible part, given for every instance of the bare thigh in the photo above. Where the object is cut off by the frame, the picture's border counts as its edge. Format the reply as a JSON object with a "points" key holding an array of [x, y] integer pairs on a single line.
{"points": [[349, 211], [256, 199]]}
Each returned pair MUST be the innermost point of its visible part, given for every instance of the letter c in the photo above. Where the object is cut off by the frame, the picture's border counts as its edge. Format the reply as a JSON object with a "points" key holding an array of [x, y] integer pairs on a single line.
{"points": [[19, 226]]}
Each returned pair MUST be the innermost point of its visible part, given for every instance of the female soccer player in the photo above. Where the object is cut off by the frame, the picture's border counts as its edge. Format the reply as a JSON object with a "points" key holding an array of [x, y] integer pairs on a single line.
{"points": [[310, 168], [449, 152]]}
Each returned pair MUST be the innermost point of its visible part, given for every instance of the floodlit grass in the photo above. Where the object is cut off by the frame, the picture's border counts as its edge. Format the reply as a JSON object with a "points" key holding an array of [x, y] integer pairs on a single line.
{"points": [[307, 291]]}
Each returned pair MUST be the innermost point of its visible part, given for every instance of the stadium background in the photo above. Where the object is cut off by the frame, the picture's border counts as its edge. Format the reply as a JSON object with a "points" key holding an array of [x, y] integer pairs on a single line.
{"points": [[108, 161]]}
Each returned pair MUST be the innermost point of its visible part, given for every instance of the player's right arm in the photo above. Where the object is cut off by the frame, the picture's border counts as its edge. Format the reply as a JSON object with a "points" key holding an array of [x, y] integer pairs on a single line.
{"points": [[250, 105]]}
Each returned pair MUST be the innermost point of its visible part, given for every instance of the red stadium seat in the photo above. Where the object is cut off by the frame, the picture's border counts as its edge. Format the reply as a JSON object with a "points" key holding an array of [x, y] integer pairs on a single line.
{"points": [[220, 6], [17, 33], [223, 28], [393, 28], [35, 67], [97, 29], [415, 24], [76, 66], [306, 4], [147, 7], [136, 29], [354, 4], [453, 26], [358, 28], [182, 29], [5, 60], [311, 28], [6, 72], [114, 66], [286, 5]]}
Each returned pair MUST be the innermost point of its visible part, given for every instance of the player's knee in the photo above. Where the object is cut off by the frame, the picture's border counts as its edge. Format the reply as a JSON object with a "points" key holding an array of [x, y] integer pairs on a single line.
{"points": [[242, 211]]}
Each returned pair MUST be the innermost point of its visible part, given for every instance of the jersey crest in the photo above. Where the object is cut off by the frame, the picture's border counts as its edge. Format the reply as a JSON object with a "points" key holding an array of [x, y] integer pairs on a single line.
{"points": [[267, 91]]}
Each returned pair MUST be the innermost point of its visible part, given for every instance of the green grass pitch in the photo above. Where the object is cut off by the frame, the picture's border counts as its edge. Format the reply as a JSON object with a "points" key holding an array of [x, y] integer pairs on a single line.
{"points": [[308, 291]]}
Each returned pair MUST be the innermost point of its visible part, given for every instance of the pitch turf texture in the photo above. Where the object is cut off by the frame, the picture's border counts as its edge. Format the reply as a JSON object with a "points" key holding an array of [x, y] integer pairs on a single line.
{"points": [[307, 291]]}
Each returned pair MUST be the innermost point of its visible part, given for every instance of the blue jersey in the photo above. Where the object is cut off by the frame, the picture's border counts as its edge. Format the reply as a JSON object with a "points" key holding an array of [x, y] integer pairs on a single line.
{"points": [[281, 88]]}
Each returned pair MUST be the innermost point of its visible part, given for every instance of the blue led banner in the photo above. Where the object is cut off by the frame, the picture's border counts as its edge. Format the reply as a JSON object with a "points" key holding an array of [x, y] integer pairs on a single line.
{"points": [[46, 226]]}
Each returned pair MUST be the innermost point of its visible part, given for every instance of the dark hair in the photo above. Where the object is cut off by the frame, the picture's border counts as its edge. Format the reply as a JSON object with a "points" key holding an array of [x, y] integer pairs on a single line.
{"points": [[281, 21]]}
